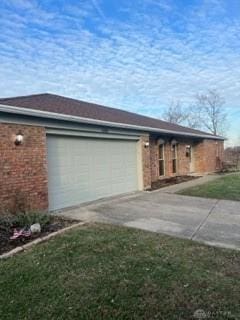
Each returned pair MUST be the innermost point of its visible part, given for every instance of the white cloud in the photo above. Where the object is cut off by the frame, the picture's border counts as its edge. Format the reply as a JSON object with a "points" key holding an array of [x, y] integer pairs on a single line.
{"points": [[23, 4], [140, 63]]}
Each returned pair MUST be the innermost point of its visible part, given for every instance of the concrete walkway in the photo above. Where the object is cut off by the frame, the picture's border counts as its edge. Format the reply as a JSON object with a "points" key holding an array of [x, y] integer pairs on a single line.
{"points": [[192, 183], [214, 222]]}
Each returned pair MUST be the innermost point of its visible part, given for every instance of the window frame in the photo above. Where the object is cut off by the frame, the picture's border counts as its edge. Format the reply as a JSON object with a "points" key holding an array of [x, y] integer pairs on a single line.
{"points": [[161, 159], [174, 156]]}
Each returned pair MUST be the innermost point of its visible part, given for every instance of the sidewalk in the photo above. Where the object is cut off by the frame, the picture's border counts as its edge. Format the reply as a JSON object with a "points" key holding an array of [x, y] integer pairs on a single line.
{"points": [[192, 183]]}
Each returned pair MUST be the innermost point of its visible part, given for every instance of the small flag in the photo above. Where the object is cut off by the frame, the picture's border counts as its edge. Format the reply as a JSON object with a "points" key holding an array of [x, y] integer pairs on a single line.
{"points": [[25, 233]]}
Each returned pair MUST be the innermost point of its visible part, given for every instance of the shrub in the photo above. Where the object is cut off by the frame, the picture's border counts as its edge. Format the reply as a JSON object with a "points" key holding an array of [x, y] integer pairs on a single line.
{"points": [[25, 219]]}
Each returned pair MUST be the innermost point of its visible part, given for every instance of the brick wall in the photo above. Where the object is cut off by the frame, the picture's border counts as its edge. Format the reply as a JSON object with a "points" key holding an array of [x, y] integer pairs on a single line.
{"points": [[207, 156], [154, 159], [183, 162], [23, 168], [146, 162]]}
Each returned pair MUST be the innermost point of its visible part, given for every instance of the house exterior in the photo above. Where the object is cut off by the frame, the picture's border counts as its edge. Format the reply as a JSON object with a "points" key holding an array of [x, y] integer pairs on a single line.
{"points": [[58, 152]]}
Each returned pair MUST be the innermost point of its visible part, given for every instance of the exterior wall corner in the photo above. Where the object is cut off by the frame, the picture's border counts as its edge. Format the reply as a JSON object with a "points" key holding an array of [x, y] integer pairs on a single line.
{"points": [[209, 156], [146, 161], [23, 169]]}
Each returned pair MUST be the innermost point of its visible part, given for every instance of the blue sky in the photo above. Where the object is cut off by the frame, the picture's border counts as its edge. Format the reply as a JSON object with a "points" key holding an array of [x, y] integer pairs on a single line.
{"points": [[136, 55]]}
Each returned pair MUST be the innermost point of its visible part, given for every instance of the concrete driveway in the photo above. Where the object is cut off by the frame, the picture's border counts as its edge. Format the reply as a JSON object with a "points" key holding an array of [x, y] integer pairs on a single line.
{"points": [[215, 222]]}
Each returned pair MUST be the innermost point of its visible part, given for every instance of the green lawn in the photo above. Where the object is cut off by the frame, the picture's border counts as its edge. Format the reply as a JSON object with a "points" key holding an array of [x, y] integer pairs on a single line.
{"points": [[105, 272], [226, 187]]}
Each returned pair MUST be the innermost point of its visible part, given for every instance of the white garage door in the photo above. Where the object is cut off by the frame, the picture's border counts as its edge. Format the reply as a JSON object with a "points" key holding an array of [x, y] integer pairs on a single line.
{"points": [[81, 169]]}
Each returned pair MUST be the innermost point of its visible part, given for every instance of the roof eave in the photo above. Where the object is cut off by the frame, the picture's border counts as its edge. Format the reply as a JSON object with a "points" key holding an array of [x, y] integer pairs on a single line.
{"points": [[64, 117]]}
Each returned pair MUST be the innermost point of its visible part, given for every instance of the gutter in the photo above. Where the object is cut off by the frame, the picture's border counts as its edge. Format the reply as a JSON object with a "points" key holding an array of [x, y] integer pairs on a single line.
{"points": [[63, 117]]}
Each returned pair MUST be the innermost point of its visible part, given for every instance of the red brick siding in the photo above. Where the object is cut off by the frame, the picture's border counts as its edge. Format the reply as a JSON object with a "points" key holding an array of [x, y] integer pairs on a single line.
{"points": [[154, 159], [23, 168], [146, 162], [183, 162], [209, 155], [205, 155]]}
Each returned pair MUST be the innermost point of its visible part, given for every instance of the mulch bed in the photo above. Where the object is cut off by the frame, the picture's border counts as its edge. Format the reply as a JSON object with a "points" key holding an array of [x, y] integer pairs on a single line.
{"points": [[56, 224], [170, 181]]}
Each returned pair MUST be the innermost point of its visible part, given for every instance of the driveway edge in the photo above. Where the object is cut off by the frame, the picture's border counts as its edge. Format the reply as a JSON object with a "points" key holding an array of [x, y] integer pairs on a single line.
{"points": [[204, 221]]}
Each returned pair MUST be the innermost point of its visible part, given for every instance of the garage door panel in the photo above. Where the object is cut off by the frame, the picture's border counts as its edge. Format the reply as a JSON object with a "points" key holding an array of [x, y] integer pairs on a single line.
{"points": [[82, 170]]}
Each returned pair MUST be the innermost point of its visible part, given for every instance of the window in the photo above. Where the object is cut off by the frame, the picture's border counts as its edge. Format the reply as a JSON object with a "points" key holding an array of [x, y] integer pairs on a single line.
{"points": [[174, 158], [189, 152], [161, 160]]}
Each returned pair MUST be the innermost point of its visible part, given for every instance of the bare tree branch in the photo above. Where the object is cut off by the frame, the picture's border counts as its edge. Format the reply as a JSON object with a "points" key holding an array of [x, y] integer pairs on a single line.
{"points": [[232, 157], [194, 118], [212, 112], [206, 113], [175, 113], [186, 116]]}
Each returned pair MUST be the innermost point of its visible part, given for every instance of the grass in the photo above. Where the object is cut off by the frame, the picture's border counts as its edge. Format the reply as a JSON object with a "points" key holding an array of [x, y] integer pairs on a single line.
{"points": [[106, 272], [227, 187]]}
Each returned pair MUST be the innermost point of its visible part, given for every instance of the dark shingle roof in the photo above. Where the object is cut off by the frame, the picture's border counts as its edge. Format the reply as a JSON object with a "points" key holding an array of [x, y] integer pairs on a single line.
{"points": [[67, 106]]}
